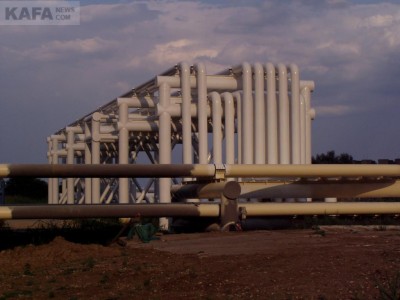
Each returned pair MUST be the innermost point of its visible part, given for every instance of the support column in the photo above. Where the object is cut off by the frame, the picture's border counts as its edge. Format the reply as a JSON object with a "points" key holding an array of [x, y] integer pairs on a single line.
{"points": [[229, 205], [88, 161], [70, 161], [164, 150], [123, 151], [54, 147], [96, 156], [50, 180]]}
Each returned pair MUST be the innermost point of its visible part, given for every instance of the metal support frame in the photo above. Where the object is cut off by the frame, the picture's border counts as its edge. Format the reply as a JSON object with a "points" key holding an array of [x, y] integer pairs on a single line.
{"points": [[247, 109], [259, 117]]}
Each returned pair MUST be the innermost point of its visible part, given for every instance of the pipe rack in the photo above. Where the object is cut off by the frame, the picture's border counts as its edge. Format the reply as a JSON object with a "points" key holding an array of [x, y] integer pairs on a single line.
{"points": [[192, 133]]}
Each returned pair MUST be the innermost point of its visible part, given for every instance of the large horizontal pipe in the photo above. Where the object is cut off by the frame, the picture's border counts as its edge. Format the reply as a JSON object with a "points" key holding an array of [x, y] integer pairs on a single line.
{"points": [[197, 170], [229, 189], [279, 189], [338, 170], [195, 210], [214, 82], [108, 211], [338, 208], [102, 171]]}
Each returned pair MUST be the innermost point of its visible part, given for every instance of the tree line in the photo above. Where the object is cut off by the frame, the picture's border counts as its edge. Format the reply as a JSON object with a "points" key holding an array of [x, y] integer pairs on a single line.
{"points": [[33, 188]]}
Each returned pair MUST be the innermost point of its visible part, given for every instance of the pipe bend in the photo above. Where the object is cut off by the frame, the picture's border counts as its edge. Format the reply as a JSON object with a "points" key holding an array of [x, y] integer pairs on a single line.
{"points": [[184, 67], [227, 97], [258, 69], [282, 69], [215, 97], [200, 68], [294, 69], [270, 69], [307, 84], [246, 68]]}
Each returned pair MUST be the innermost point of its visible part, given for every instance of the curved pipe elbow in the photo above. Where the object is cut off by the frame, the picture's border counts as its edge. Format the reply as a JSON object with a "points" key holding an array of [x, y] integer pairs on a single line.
{"points": [[258, 69], [184, 67], [270, 69], [200, 68], [294, 69], [282, 70], [246, 69]]}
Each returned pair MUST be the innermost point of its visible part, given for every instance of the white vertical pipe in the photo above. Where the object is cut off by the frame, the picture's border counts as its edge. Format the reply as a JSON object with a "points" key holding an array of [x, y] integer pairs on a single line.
{"points": [[306, 90], [50, 180], [229, 128], [259, 115], [54, 147], [70, 161], [303, 117], [186, 115], [164, 148], [238, 99], [247, 115], [96, 156], [284, 129], [295, 114], [202, 112], [88, 161], [309, 113], [272, 116], [217, 127], [123, 152]]}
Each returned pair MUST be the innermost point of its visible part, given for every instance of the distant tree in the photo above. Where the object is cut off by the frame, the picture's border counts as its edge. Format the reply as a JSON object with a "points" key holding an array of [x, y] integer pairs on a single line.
{"points": [[28, 187], [331, 158]]}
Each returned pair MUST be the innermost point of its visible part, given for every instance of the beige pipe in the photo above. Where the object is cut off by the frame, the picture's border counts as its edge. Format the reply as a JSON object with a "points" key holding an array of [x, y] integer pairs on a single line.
{"points": [[195, 210], [197, 170], [279, 189], [229, 189], [338, 208], [106, 211], [101, 170], [312, 170]]}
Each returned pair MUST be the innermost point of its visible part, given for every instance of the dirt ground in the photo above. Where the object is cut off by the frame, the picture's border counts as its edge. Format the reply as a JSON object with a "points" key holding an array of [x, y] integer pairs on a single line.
{"points": [[330, 262]]}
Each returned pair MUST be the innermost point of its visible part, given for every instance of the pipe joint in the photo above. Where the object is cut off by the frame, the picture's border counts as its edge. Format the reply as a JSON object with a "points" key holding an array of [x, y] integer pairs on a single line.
{"points": [[220, 172], [170, 109]]}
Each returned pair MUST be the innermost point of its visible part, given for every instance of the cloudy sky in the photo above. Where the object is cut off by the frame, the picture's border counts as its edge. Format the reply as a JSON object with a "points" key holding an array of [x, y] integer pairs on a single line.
{"points": [[52, 75]]}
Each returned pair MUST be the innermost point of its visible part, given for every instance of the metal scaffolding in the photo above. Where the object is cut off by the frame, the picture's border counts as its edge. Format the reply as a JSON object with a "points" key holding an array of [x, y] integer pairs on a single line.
{"points": [[256, 114], [247, 114]]}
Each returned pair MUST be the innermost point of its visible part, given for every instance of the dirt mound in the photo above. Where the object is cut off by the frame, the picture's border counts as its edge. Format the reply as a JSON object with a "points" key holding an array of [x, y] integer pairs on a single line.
{"points": [[324, 263]]}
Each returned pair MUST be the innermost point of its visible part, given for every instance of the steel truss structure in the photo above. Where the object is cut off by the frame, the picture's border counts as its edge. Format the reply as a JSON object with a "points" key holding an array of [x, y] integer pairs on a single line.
{"points": [[247, 114]]}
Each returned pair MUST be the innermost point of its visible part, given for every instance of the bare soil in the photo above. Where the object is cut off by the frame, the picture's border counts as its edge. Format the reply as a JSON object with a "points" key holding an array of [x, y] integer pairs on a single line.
{"points": [[330, 262]]}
